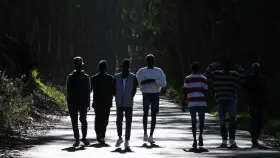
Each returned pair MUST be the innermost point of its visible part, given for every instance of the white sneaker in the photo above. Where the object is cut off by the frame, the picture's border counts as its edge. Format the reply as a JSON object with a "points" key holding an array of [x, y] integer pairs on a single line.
{"points": [[126, 144], [151, 139], [145, 139], [119, 142]]}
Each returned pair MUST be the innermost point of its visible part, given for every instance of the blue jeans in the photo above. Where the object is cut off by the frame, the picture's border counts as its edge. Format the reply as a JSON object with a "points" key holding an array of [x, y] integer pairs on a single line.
{"points": [[201, 115], [230, 106]]}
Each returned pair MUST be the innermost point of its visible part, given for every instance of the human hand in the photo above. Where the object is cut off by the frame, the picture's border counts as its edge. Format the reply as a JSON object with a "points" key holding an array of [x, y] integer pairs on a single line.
{"points": [[150, 80], [183, 107], [147, 81]]}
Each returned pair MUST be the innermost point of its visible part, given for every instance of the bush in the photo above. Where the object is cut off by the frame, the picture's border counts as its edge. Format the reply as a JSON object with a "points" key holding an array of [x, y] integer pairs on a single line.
{"points": [[14, 106], [173, 94], [56, 93]]}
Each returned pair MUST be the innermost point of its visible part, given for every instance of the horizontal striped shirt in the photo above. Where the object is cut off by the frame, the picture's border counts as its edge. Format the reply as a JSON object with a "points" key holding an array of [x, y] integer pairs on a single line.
{"points": [[226, 85], [238, 68], [196, 85]]}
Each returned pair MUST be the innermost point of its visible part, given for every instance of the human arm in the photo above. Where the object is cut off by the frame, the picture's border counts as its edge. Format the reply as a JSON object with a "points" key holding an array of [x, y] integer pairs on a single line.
{"points": [[135, 84], [161, 82], [185, 94], [114, 87], [68, 90], [88, 92]]}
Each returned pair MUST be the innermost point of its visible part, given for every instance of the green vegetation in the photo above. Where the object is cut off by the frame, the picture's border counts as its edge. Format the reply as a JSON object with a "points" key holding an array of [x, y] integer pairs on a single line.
{"points": [[14, 105], [16, 101], [54, 92]]}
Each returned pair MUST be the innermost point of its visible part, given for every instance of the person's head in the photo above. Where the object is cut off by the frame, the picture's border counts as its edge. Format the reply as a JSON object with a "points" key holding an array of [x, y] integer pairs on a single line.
{"points": [[195, 67], [256, 68], [150, 59], [103, 66], [78, 63], [126, 64], [227, 64]]}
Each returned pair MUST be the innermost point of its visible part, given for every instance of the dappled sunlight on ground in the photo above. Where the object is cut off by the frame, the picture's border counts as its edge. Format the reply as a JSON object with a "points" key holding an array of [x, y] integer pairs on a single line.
{"points": [[173, 138]]}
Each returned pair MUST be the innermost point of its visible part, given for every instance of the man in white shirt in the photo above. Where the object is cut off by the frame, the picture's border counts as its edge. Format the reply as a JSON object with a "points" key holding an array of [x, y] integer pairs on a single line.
{"points": [[151, 80]]}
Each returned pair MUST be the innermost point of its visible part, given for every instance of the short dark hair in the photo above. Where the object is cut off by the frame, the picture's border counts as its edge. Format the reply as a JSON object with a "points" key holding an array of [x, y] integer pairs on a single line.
{"points": [[150, 57], [256, 65], [126, 61], [195, 67], [78, 62], [103, 65]]}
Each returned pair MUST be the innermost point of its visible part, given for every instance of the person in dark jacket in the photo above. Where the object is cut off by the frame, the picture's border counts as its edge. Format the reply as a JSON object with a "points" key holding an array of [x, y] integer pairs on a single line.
{"points": [[125, 84], [78, 99], [102, 88], [256, 90]]}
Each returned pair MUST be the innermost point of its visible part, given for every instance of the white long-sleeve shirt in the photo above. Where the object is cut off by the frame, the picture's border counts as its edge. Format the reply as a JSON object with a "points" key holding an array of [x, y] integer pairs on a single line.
{"points": [[156, 74]]}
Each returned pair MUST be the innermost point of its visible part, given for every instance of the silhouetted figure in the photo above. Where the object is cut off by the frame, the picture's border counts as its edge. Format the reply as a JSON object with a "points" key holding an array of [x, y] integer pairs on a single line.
{"points": [[151, 79], [256, 88], [78, 98], [226, 84], [102, 88], [195, 85], [125, 84]]}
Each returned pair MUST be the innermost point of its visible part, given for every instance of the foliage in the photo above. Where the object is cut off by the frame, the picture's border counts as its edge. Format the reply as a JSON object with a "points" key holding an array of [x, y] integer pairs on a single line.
{"points": [[173, 94], [14, 105], [54, 92]]}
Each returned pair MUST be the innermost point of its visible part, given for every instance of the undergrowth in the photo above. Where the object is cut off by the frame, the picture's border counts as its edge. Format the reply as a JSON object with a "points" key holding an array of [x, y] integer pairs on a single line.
{"points": [[56, 93]]}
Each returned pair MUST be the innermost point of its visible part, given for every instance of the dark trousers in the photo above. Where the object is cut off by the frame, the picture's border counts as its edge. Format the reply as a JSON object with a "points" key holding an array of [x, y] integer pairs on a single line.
{"points": [[128, 120], [101, 121], [201, 116], [256, 120], [74, 110], [153, 100]]}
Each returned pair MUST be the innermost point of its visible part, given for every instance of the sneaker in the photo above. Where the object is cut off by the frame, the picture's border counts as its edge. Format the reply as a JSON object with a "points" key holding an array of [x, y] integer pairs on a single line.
{"points": [[194, 145], [85, 141], [101, 141], [233, 144], [145, 139], [77, 143], [224, 144], [151, 139], [200, 141], [126, 144], [119, 142]]}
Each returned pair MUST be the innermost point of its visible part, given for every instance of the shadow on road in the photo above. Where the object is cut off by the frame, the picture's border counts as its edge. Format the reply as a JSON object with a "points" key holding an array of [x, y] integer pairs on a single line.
{"points": [[74, 149], [196, 150], [121, 151], [98, 145], [151, 146]]}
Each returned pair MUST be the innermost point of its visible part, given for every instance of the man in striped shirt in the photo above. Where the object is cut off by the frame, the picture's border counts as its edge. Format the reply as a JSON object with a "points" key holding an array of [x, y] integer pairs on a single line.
{"points": [[195, 85], [216, 66], [226, 84]]}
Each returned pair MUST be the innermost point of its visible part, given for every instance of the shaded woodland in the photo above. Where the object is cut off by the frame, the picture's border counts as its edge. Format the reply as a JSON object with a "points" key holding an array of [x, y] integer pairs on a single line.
{"points": [[178, 32]]}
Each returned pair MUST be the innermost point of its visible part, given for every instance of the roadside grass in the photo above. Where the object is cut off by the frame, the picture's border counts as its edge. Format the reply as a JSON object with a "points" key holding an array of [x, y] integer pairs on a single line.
{"points": [[56, 93]]}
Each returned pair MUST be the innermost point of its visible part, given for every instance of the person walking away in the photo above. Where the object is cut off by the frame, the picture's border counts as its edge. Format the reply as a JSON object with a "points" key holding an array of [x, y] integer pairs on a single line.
{"points": [[151, 79], [226, 85], [78, 99], [102, 88], [125, 84], [256, 89], [195, 85]]}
